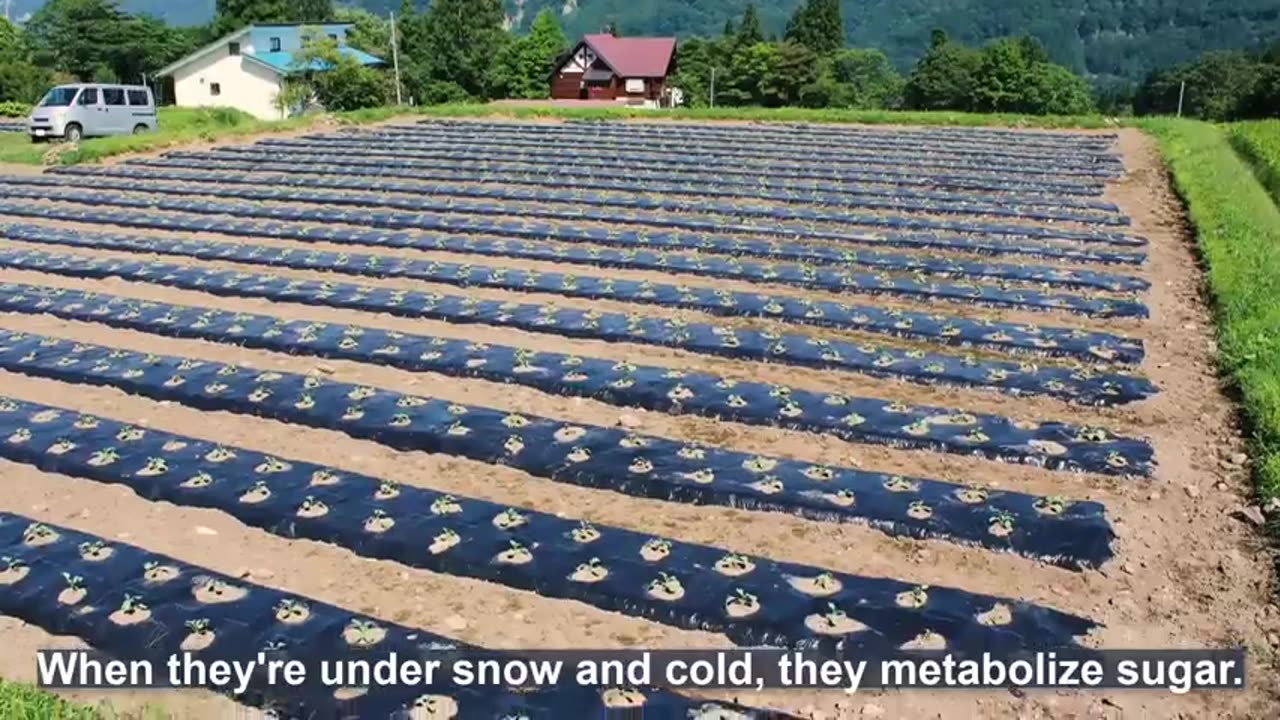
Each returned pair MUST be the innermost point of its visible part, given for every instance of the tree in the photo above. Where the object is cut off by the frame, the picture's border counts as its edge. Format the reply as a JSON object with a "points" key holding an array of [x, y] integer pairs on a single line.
{"points": [[794, 67], [316, 11], [95, 40], [1114, 97], [743, 82], [1220, 85], [943, 79], [749, 32], [415, 56], [1264, 101], [76, 36], [695, 60], [1003, 72], [817, 25], [855, 78], [459, 40], [1015, 75], [1107, 39], [1270, 54], [409, 29], [20, 81], [525, 63], [546, 42], [1008, 75], [1158, 92], [368, 32], [12, 45], [231, 15], [1052, 89], [335, 79]]}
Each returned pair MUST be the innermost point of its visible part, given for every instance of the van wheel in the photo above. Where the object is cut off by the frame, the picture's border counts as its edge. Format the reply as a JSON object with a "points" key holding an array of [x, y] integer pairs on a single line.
{"points": [[74, 133], [140, 128]]}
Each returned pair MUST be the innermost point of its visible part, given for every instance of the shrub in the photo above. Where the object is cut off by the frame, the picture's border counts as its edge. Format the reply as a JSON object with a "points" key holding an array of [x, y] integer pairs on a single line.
{"points": [[12, 109]]}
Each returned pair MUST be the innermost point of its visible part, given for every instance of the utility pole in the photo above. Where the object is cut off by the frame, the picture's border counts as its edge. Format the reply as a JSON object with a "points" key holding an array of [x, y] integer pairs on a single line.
{"points": [[713, 86], [1182, 90], [395, 56]]}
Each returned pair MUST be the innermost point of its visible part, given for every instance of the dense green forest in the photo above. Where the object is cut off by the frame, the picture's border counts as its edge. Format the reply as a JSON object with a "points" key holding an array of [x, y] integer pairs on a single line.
{"points": [[1105, 40], [466, 49]]}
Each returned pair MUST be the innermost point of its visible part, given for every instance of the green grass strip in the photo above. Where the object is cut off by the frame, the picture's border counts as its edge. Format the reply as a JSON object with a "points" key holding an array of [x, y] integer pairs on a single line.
{"points": [[177, 126], [1258, 142], [1238, 234]]}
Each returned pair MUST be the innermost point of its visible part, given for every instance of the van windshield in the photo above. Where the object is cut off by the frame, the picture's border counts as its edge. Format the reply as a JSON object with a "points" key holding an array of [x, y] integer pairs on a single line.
{"points": [[59, 97]]}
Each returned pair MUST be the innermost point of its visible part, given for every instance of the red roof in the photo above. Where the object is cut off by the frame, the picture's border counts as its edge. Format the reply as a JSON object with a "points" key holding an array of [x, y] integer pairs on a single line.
{"points": [[634, 56]]}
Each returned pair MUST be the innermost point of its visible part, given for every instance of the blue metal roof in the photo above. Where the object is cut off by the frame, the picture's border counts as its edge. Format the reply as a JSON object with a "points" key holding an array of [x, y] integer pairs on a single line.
{"points": [[283, 59], [258, 43]]}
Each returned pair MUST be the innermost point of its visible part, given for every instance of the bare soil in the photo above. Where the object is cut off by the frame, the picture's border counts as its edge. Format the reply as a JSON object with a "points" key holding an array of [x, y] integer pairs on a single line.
{"points": [[1187, 573]]}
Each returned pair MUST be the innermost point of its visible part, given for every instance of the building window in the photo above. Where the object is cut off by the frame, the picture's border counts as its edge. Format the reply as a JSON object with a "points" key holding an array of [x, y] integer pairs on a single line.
{"points": [[215, 89], [275, 44], [233, 48]]}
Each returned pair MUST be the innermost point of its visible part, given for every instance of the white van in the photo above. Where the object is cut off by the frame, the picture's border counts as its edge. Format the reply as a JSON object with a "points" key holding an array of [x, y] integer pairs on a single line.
{"points": [[72, 112]]}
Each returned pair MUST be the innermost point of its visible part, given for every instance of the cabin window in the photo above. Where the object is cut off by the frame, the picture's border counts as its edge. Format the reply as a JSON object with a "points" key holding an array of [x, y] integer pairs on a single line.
{"points": [[233, 48], [215, 89], [138, 98], [113, 96], [333, 37], [88, 96], [275, 44]]}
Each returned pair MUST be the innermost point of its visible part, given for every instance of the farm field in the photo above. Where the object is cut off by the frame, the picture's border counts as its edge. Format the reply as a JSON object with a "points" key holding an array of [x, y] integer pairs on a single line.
{"points": [[621, 384]]}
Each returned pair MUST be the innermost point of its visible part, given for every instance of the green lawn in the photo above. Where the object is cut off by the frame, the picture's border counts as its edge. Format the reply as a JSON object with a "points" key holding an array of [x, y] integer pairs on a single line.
{"points": [[18, 148], [1238, 234], [178, 126], [1258, 141]]}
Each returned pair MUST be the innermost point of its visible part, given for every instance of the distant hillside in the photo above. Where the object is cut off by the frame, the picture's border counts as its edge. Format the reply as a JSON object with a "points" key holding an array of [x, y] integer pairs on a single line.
{"points": [[1104, 38], [1124, 38]]}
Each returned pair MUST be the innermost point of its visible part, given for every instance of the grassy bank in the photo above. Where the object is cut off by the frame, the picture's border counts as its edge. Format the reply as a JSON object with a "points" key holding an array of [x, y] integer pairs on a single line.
{"points": [[1258, 142], [178, 126], [1238, 233]]}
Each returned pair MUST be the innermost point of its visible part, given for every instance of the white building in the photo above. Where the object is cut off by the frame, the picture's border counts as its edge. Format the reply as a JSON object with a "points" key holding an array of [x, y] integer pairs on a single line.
{"points": [[246, 69]]}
